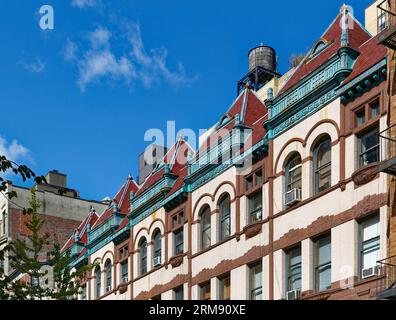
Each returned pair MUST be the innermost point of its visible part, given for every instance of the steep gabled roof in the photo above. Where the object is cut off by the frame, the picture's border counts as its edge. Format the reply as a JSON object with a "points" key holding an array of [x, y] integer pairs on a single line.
{"points": [[252, 113], [121, 200], [90, 219], [175, 158], [332, 37]]}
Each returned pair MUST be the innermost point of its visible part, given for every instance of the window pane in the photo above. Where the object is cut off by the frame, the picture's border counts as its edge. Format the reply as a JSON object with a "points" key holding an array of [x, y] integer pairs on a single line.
{"points": [[374, 109], [293, 173], [178, 235], [256, 282], [360, 117], [324, 178], [205, 291], [225, 217], [323, 263], [325, 277], [255, 205], [179, 294], [294, 269], [225, 288], [368, 147], [322, 165], [371, 228]]}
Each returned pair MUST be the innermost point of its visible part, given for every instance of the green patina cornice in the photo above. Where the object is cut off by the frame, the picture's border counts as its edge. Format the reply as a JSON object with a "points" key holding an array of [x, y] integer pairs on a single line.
{"points": [[311, 94], [364, 82]]}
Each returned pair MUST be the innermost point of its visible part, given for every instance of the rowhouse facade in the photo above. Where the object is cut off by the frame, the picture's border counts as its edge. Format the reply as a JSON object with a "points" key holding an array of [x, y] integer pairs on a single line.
{"points": [[282, 200]]}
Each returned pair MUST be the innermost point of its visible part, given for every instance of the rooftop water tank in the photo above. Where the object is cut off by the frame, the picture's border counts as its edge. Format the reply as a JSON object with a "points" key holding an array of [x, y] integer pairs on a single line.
{"points": [[262, 56]]}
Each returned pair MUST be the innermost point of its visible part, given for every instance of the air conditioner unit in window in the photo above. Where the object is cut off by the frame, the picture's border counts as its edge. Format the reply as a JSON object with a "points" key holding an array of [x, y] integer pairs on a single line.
{"points": [[293, 295], [293, 196], [108, 288], [370, 272], [157, 261]]}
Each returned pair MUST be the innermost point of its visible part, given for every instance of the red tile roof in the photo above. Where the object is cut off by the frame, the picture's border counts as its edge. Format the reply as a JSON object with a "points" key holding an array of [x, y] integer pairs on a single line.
{"points": [[176, 158], [91, 218], [356, 37], [122, 201], [253, 113], [370, 54]]}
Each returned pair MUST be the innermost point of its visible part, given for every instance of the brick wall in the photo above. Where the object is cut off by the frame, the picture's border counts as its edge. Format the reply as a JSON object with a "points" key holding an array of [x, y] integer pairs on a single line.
{"points": [[60, 228]]}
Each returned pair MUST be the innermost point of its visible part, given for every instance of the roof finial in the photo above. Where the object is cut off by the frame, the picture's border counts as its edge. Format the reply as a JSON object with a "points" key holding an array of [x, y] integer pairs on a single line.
{"points": [[247, 85], [344, 8], [344, 25]]}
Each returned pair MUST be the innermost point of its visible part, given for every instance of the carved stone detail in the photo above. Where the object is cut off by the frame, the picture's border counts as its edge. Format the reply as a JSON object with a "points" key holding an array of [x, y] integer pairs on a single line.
{"points": [[176, 261], [253, 229], [365, 174]]}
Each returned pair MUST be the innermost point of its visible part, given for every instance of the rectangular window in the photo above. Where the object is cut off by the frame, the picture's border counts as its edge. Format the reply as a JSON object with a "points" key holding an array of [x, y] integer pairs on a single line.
{"points": [[178, 241], [84, 293], [205, 291], [374, 109], [381, 20], [255, 207], [368, 147], [179, 293], [293, 269], [255, 282], [249, 183], [360, 117], [124, 271], [225, 287], [322, 263], [259, 178], [369, 242]]}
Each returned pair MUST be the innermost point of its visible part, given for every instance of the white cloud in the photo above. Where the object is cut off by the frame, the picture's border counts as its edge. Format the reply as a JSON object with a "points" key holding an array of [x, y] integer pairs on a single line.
{"points": [[36, 66], [13, 151], [153, 65], [82, 4], [97, 65], [100, 62], [70, 50]]}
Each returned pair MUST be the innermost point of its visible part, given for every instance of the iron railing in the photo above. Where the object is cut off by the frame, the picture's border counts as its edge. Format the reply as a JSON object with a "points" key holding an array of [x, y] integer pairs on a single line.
{"points": [[386, 282], [387, 139]]}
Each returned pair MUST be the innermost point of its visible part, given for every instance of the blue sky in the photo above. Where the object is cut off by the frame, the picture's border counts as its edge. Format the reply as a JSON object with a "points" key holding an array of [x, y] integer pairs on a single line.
{"points": [[80, 98]]}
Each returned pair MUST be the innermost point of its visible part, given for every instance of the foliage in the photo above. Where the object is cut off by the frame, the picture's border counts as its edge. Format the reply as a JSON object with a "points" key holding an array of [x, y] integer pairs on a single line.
{"points": [[23, 171], [39, 260]]}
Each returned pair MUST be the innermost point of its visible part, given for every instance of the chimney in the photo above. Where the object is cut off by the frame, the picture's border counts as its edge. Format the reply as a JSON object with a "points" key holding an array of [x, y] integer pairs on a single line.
{"points": [[57, 179]]}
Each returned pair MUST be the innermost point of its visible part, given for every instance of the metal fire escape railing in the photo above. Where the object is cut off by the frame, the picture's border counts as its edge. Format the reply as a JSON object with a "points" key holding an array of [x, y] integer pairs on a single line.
{"points": [[388, 35], [388, 150], [386, 282]]}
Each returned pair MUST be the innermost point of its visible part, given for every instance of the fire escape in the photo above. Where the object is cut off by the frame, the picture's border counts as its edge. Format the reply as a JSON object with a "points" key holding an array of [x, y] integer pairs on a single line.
{"points": [[386, 283]]}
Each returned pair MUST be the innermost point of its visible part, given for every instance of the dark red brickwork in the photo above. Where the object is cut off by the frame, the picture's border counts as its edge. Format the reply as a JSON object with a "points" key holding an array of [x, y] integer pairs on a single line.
{"points": [[60, 228]]}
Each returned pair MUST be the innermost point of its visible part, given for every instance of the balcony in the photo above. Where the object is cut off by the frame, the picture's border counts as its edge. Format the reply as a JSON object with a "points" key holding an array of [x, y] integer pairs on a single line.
{"points": [[386, 283], [388, 150], [388, 35]]}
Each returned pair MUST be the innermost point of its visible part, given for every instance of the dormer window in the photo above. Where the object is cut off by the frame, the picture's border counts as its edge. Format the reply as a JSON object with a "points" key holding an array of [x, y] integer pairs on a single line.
{"points": [[318, 48]]}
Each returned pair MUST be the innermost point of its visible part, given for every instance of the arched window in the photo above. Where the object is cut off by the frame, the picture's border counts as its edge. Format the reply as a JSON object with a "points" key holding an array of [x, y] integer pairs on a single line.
{"points": [[205, 228], [157, 248], [322, 165], [293, 172], [98, 282], [143, 256], [225, 217], [108, 268]]}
